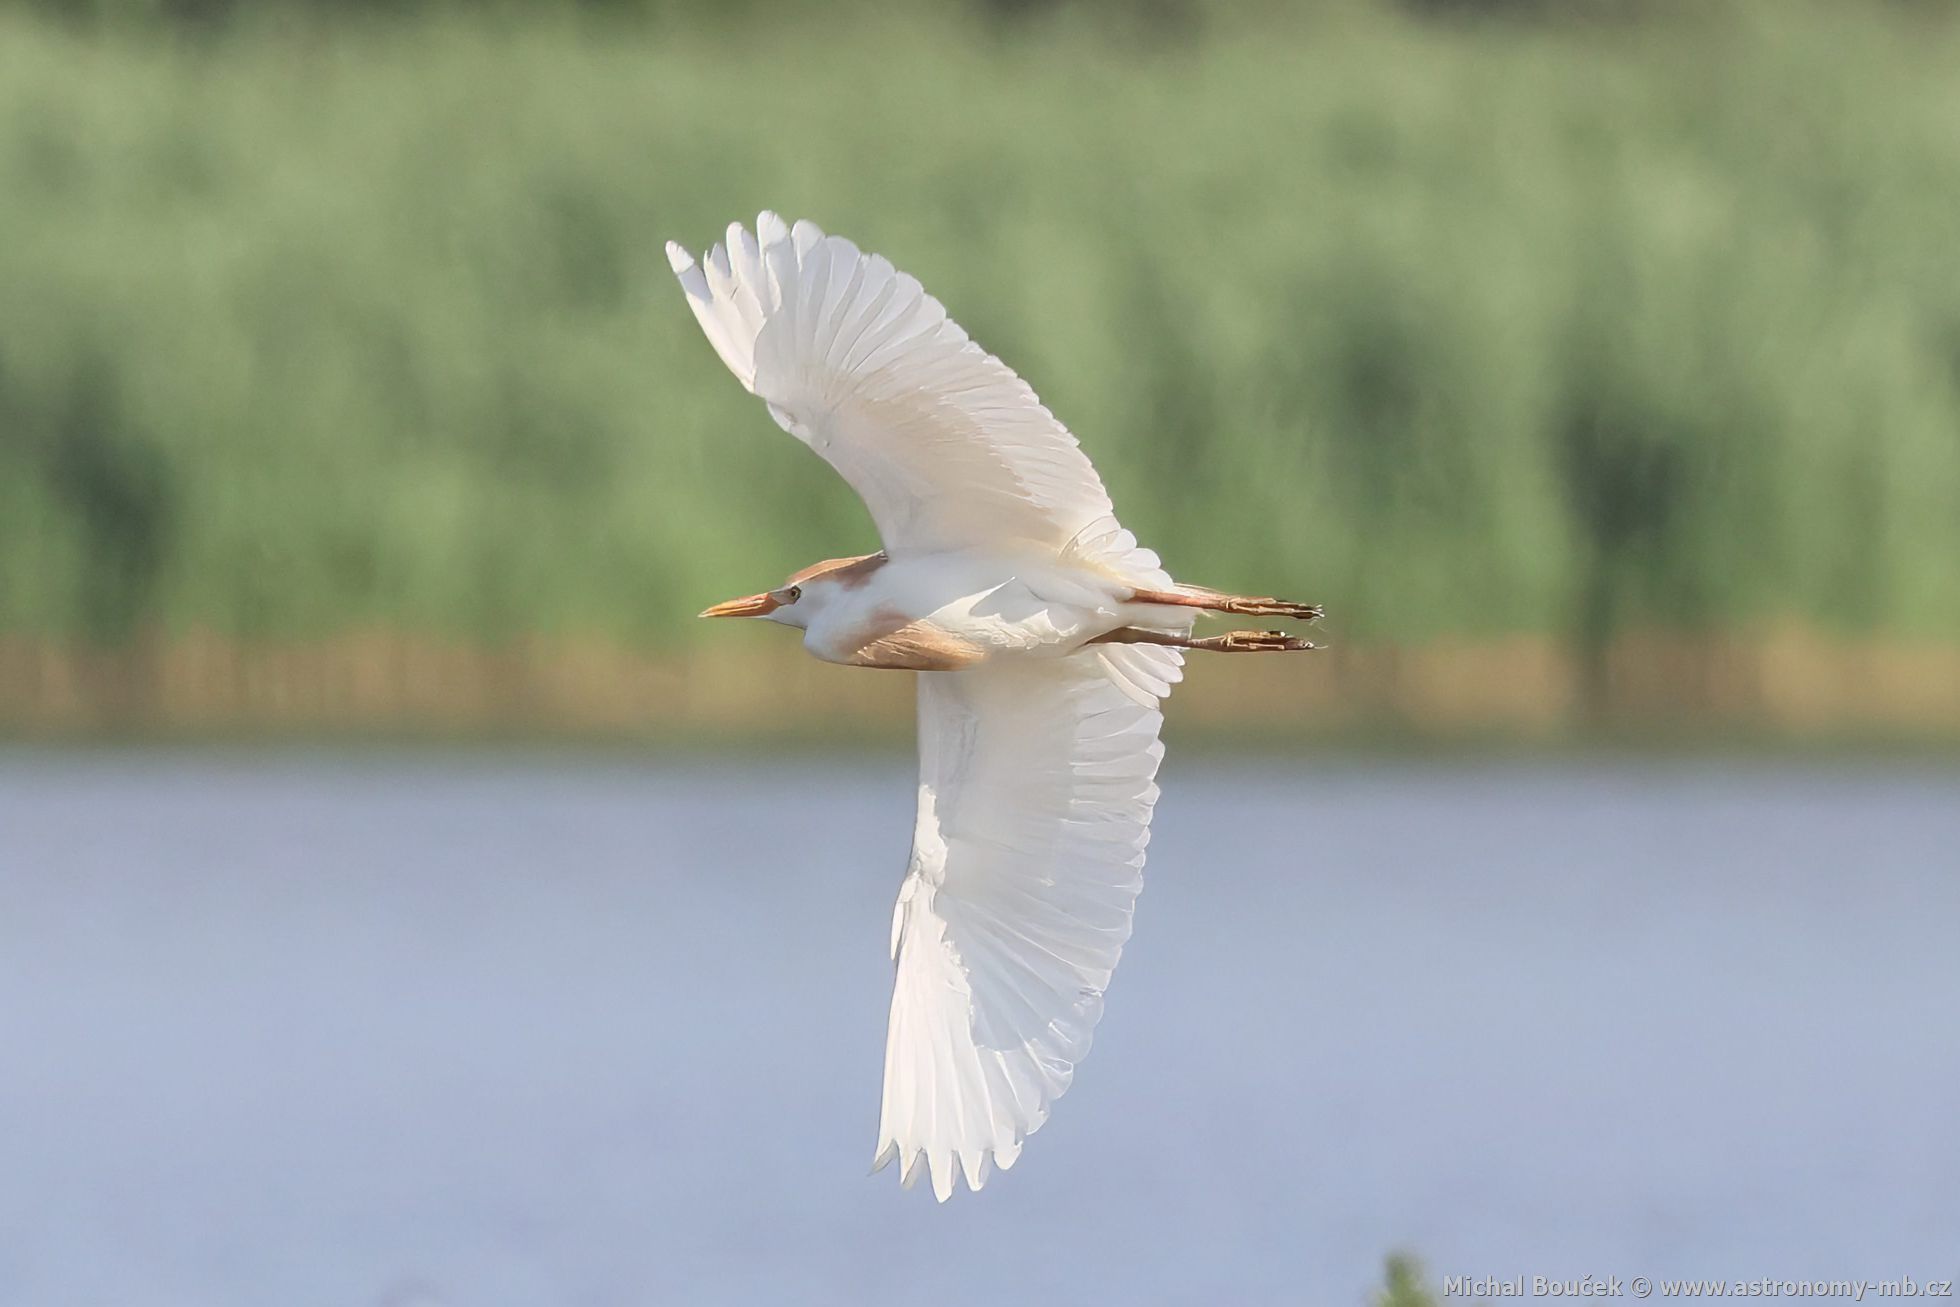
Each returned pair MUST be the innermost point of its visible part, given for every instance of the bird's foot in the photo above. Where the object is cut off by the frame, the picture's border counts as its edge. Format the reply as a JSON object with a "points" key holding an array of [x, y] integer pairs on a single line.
{"points": [[1253, 642], [1268, 607]]}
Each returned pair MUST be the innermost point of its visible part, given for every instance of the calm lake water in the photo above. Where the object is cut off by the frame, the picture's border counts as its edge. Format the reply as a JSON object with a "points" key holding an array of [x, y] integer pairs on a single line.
{"points": [[289, 1030]]}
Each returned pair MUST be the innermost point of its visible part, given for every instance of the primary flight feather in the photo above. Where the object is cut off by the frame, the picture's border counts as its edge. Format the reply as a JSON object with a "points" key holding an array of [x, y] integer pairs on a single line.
{"points": [[1044, 637]]}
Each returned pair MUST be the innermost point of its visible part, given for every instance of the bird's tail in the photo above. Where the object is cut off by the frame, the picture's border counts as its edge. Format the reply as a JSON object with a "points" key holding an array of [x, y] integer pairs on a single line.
{"points": [[1145, 673], [1106, 547]]}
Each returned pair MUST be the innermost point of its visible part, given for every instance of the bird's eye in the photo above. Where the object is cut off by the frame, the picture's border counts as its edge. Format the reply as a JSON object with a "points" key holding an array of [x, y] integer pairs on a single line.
{"points": [[792, 594]]}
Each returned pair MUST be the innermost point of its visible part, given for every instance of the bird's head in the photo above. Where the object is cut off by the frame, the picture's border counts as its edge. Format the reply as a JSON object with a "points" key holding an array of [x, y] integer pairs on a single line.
{"points": [[778, 605], [795, 601]]}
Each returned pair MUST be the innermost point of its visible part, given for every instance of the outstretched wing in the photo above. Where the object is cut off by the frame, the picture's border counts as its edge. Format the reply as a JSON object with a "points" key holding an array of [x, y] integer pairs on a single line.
{"points": [[1036, 782], [945, 445]]}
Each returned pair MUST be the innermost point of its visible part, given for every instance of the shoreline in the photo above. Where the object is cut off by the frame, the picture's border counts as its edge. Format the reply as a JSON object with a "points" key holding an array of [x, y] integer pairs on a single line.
{"points": [[1779, 688]]}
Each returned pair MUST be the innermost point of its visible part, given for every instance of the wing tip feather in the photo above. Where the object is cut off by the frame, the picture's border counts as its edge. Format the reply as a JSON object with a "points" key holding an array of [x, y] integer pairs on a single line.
{"points": [[944, 1170]]}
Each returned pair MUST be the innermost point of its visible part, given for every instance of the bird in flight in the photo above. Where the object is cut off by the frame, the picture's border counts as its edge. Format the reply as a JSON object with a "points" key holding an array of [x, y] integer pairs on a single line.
{"points": [[1045, 637]]}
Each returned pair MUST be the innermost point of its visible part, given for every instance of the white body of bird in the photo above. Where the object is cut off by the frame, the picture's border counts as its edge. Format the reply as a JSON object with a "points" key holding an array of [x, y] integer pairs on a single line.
{"points": [[1045, 638], [980, 605]]}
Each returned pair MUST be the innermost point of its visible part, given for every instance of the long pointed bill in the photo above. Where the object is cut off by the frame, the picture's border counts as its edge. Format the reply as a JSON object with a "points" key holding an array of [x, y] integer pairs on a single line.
{"points": [[747, 606]]}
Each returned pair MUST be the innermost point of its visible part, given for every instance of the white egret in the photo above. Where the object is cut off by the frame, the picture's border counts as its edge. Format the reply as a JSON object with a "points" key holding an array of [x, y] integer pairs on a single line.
{"points": [[1045, 637]]}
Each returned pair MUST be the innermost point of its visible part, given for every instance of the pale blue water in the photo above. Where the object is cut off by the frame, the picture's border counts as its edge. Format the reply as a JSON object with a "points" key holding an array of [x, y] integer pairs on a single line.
{"points": [[294, 1030]]}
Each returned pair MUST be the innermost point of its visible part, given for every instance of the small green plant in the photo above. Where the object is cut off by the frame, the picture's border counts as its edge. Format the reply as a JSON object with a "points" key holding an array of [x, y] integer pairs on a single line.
{"points": [[1403, 1284]]}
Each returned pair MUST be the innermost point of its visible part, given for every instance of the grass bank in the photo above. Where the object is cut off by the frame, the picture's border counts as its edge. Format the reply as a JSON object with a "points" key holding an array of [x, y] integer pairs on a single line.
{"points": [[1472, 332], [1668, 689]]}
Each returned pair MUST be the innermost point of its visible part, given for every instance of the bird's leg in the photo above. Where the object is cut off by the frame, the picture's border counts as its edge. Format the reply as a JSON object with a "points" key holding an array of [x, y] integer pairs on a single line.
{"points": [[1217, 601], [1252, 642], [1230, 642]]}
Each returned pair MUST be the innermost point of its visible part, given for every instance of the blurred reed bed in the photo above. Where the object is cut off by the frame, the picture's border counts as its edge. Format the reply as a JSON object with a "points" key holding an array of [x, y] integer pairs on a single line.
{"points": [[1491, 334], [1783, 688]]}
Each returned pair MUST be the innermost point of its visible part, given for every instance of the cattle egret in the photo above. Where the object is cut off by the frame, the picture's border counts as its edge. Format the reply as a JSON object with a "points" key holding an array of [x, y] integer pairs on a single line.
{"points": [[1045, 637]]}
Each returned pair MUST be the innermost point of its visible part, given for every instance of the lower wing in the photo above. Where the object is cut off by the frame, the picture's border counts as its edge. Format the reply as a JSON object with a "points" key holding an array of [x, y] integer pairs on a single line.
{"points": [[1036, 785]]}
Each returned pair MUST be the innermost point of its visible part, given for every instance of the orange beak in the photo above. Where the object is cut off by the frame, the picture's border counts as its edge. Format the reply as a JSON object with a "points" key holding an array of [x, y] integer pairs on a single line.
{"points": [[747, 606]]}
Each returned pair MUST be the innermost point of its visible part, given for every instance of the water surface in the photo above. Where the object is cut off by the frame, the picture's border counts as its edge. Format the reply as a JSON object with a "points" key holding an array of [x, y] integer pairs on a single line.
{"points": [[300, 1030]]}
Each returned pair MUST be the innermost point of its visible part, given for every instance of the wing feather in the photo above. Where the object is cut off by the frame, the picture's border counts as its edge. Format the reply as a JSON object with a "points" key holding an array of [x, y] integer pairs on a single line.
{"points": [[947, 447], [1036, 786]]}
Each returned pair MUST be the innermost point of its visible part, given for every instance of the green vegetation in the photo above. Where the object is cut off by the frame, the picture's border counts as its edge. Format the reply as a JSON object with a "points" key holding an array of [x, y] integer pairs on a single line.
{"points": [[1461, 329], [1403, 1284]]}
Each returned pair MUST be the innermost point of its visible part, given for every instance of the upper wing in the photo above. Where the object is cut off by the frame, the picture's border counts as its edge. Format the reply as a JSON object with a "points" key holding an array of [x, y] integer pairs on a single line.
{"points": [[1036, 781], [945, 445]]}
